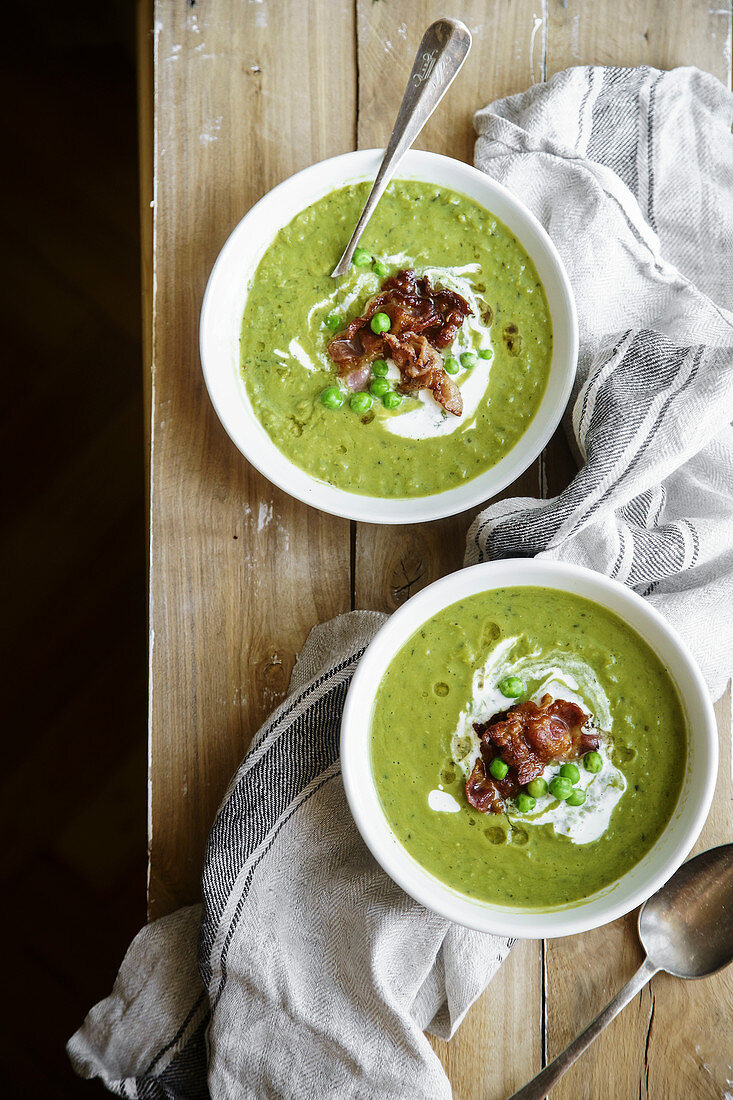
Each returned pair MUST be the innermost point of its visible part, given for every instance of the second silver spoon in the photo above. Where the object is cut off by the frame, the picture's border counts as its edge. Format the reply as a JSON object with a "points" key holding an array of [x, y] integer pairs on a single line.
{"points": [[686, 928]]}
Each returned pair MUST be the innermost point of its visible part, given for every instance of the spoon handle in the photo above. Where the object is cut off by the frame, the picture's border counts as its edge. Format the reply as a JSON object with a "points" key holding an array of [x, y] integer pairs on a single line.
{"points": [[539, 1086], [441, 53]]}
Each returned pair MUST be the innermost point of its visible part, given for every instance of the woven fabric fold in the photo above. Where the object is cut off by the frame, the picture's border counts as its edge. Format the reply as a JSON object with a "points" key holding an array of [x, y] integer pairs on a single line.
{"points": [[318, 975], [631, 173]]}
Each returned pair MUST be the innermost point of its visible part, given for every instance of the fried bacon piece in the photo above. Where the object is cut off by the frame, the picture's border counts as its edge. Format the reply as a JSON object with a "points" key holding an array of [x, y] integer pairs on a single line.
{"points": [[526, 737], [423, 320], [422, 367], [588, 741], [355, 349], [487, 794]]}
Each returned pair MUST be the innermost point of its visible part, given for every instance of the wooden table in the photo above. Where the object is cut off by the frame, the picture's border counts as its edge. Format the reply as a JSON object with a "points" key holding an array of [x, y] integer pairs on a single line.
{"points": [[235, 96]]}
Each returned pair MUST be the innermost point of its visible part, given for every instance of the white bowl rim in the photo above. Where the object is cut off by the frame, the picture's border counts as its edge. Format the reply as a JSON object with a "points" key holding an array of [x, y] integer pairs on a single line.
{"points": [[518, 923], [260, 450]]}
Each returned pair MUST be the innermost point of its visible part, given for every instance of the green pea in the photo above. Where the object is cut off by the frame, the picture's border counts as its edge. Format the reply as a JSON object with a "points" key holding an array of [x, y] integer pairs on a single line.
{"points": [[380, 269], [452, 365], [333, 322], [360, 402], [332, 397], [512, 687], [486, 353], [525, 803], [379, 368], [361, 258], [468, 360], [576, 797], [592, 761], [379, 387], [570, 772], [392, 400], [537, 788], [560, 787], [498, 768], [380, 322]]}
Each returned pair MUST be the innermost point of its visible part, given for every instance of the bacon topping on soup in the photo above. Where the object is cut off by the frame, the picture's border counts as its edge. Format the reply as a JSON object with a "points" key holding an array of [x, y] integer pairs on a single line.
{"points": [[487, 794], [526, 737], [423, 320]]}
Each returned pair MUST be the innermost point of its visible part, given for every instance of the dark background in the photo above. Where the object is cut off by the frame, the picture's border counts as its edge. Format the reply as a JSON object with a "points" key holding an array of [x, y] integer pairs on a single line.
{"points": [[73, 864]]}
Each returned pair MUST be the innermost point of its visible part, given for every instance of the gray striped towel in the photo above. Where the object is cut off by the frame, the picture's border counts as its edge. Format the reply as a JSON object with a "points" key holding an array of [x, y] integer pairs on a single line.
{"points": [[306, 972], [631, 173], [316, 975]]}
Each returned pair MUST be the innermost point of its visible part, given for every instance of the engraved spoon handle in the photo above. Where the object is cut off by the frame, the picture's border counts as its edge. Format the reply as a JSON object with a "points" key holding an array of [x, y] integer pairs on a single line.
{"points": [[539, 1086], [441, 53]]}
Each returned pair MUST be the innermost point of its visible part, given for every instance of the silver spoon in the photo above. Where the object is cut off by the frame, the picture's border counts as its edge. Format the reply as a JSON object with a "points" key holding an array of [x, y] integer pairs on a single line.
{"points": [[686, 928], [441, 53]]}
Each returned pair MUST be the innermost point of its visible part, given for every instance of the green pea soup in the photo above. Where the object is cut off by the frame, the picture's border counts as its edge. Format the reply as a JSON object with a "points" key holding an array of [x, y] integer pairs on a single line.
{"points": [[293, 308], [505, 858]]}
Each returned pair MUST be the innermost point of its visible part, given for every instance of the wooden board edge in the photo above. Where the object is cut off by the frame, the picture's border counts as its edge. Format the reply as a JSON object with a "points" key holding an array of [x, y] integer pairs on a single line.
{"points": [[144, 41]]}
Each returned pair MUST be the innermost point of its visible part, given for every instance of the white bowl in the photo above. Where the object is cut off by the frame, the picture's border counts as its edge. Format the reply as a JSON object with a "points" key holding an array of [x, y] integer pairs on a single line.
{"points": [[642, 880], [223, 307]]}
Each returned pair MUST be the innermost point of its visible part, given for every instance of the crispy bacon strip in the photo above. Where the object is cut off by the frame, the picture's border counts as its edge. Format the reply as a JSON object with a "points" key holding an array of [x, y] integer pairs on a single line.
{"points": [[421, 367], [423, 320], [526, 737], [485, 793]]}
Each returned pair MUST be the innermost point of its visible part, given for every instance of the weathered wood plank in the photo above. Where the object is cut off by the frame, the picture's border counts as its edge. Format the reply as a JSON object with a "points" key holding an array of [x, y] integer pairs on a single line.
{"points": [[239, 572], [672, 1042], [640, 32], [689, 1050], [393, 563], [498, 1046], [145, 108]]}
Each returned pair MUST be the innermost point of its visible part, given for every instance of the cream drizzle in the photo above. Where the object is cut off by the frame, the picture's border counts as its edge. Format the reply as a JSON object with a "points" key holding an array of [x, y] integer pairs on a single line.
{"points": [[297, 351], [562, 676], [443, 803]]}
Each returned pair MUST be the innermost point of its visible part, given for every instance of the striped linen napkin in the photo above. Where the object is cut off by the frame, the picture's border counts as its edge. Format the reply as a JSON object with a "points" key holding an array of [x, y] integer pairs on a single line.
{"points": [[306, 972], [631, 173]]}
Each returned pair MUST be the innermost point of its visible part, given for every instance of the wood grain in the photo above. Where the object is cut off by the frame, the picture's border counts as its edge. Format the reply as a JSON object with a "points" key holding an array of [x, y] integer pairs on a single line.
{"points": [[239, 572], [661, 33], [673, 1041], [145, 122], [392, 563]]}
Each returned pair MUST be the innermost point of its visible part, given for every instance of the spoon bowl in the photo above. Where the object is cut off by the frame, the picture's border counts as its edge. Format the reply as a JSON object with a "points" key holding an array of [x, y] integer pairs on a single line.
{"points": [[686, 928]]}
